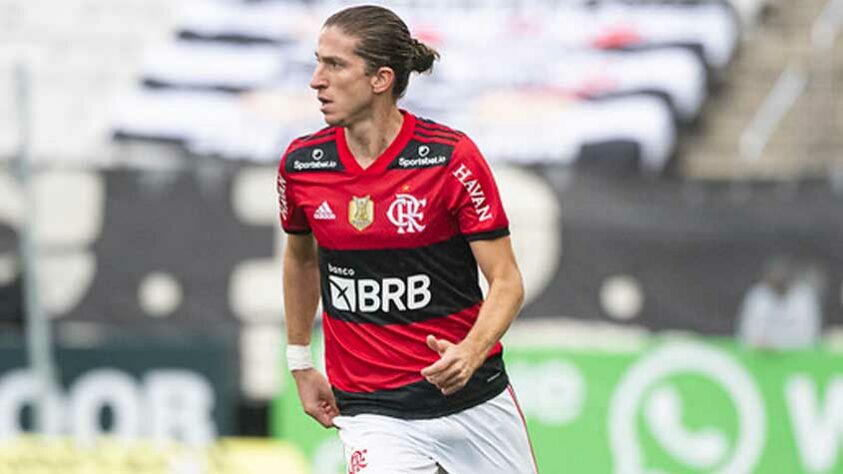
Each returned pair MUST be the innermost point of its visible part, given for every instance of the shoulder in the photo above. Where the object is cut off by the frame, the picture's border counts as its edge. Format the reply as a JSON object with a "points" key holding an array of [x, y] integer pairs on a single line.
{"points": [[430, 146], [312, 153], [432, 128], [461, 144], [320, 134]]}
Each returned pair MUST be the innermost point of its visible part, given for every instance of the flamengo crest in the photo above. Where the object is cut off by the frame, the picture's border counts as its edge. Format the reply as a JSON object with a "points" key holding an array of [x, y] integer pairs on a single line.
{"points": [[361, 212], [407, 212]]}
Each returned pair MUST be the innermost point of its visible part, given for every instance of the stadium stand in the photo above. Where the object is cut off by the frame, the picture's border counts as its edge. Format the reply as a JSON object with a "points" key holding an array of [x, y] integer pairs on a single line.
{"points": [[123, 33], [783, 71], [598, 64], [78, 56]]}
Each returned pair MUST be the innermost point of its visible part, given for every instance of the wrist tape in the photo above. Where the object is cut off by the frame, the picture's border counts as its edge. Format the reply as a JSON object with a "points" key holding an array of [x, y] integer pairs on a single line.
{"points": [[298, 357]]}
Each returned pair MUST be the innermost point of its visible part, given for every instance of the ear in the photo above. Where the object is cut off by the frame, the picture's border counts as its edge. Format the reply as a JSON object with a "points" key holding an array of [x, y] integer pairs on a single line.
{"points": [[382, 80]]}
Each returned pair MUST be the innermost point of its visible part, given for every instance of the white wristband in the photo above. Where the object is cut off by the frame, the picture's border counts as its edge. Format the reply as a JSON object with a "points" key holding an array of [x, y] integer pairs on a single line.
{"points": [[298, 357]]}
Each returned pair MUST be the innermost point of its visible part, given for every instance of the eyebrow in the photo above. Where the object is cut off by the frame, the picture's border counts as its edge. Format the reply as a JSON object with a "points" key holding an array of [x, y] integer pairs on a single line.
{"points": [[329, 59]]}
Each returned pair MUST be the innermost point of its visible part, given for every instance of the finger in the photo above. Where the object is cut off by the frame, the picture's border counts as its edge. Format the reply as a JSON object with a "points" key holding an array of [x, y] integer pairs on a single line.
{"points": [[325, 416], [454, 388], [330, 400], [437, 345], [449, 378], [454, 385], [431, 343], [333, 411], [324, 420], [439, 381], [437, 367], [317, 414]]}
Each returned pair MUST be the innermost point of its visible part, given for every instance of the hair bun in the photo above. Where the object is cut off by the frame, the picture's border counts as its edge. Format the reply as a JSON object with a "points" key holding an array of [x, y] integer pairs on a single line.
{"points": [[423, 56]]}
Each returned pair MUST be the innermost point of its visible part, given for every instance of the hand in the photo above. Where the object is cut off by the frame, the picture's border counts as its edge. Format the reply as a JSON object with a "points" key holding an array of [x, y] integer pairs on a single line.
{"points": [[456, 365], [316, 396]]}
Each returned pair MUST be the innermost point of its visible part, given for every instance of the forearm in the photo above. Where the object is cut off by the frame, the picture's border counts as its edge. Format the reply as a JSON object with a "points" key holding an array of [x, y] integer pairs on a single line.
{"points": [[301, 297], [503, 302], [457, 362]]}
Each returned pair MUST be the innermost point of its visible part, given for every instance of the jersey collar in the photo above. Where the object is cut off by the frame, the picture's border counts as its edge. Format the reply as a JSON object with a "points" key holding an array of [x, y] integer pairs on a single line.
{"points": [[382, 161]]}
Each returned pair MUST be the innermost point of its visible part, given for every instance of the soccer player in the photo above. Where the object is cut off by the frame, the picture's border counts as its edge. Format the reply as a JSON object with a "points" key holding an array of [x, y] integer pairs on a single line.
{"points": [[390, 215]]}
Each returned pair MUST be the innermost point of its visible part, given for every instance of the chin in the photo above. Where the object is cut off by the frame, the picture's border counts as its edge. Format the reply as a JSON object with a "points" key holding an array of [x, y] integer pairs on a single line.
{"points": [[333, 120]]}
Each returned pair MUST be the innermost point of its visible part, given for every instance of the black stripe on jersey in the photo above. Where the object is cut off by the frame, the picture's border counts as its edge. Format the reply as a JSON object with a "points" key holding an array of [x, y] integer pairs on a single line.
{"points": [[437, 135], [317, 134], [490, 235], [439, 131], [314, 158], [298, 232], [431, 125], [422, 400], [425, 139], [399, 286], [422, 155]]}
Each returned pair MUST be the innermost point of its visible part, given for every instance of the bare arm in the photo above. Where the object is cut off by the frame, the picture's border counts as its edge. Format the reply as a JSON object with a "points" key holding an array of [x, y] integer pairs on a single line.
{"points": [[506, 292], [459, 361], [301, 287], [301, 297]]}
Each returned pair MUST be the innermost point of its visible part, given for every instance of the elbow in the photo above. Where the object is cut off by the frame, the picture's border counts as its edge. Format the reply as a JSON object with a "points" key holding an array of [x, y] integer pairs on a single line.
{"points": [[507, 288], [515, 288], [520, 293]]}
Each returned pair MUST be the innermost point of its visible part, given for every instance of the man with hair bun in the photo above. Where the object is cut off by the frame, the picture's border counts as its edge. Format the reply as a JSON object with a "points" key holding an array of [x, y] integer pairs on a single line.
{"points": [[389, 216]]}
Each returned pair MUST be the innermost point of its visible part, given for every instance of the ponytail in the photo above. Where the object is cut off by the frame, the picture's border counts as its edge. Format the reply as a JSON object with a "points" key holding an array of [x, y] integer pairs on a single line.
{"points": [[423, 57], [385, 41]]}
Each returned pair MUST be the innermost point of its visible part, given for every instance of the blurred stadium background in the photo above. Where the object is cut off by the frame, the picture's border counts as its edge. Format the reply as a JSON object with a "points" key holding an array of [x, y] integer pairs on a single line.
{"points": [[662, 161]]}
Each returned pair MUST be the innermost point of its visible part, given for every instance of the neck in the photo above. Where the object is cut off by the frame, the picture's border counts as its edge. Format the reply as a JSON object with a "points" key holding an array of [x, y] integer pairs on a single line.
{"points": [[369, 138]]}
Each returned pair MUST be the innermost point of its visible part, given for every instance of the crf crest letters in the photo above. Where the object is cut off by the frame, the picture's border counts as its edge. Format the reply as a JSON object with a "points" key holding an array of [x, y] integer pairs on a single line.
{"points": [[407, 213]]}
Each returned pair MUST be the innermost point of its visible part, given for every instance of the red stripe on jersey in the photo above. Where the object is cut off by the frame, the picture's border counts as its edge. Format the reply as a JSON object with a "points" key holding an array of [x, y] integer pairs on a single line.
{"points": [[316, 134], [434, 133], [428, 125], [441, 141], [368, 357], [316, 141], [435, 127], [524, 422], [444, 136]]}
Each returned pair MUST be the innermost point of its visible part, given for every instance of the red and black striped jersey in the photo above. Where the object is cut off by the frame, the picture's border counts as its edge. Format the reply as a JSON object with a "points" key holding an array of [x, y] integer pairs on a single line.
{"points": [[395, 262]]}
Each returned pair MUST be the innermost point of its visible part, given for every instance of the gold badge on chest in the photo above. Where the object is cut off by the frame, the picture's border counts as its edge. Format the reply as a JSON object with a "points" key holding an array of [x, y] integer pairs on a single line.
{"points": [[361, 212]]}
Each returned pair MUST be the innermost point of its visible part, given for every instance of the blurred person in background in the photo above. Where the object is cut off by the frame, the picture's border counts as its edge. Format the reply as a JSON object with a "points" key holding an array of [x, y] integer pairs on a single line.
{"points": [[784, 309], [11, 281], [390, 215]]}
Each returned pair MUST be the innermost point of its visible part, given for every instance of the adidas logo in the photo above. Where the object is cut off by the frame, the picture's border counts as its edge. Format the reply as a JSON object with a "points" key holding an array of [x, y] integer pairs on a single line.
{"points": [[324, 212]]}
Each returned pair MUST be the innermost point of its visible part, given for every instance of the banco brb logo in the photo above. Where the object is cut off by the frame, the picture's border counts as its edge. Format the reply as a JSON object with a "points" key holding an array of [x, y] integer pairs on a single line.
{"points": [[646, 414], [368, 295]]}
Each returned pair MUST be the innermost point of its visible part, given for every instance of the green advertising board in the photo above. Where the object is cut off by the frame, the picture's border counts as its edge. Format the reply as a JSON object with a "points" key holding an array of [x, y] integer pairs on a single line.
{"points": [[669, 406]]}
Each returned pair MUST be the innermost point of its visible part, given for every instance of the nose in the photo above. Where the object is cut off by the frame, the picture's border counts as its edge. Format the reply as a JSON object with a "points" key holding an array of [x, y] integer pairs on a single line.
{"points": [[318, 81]]}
